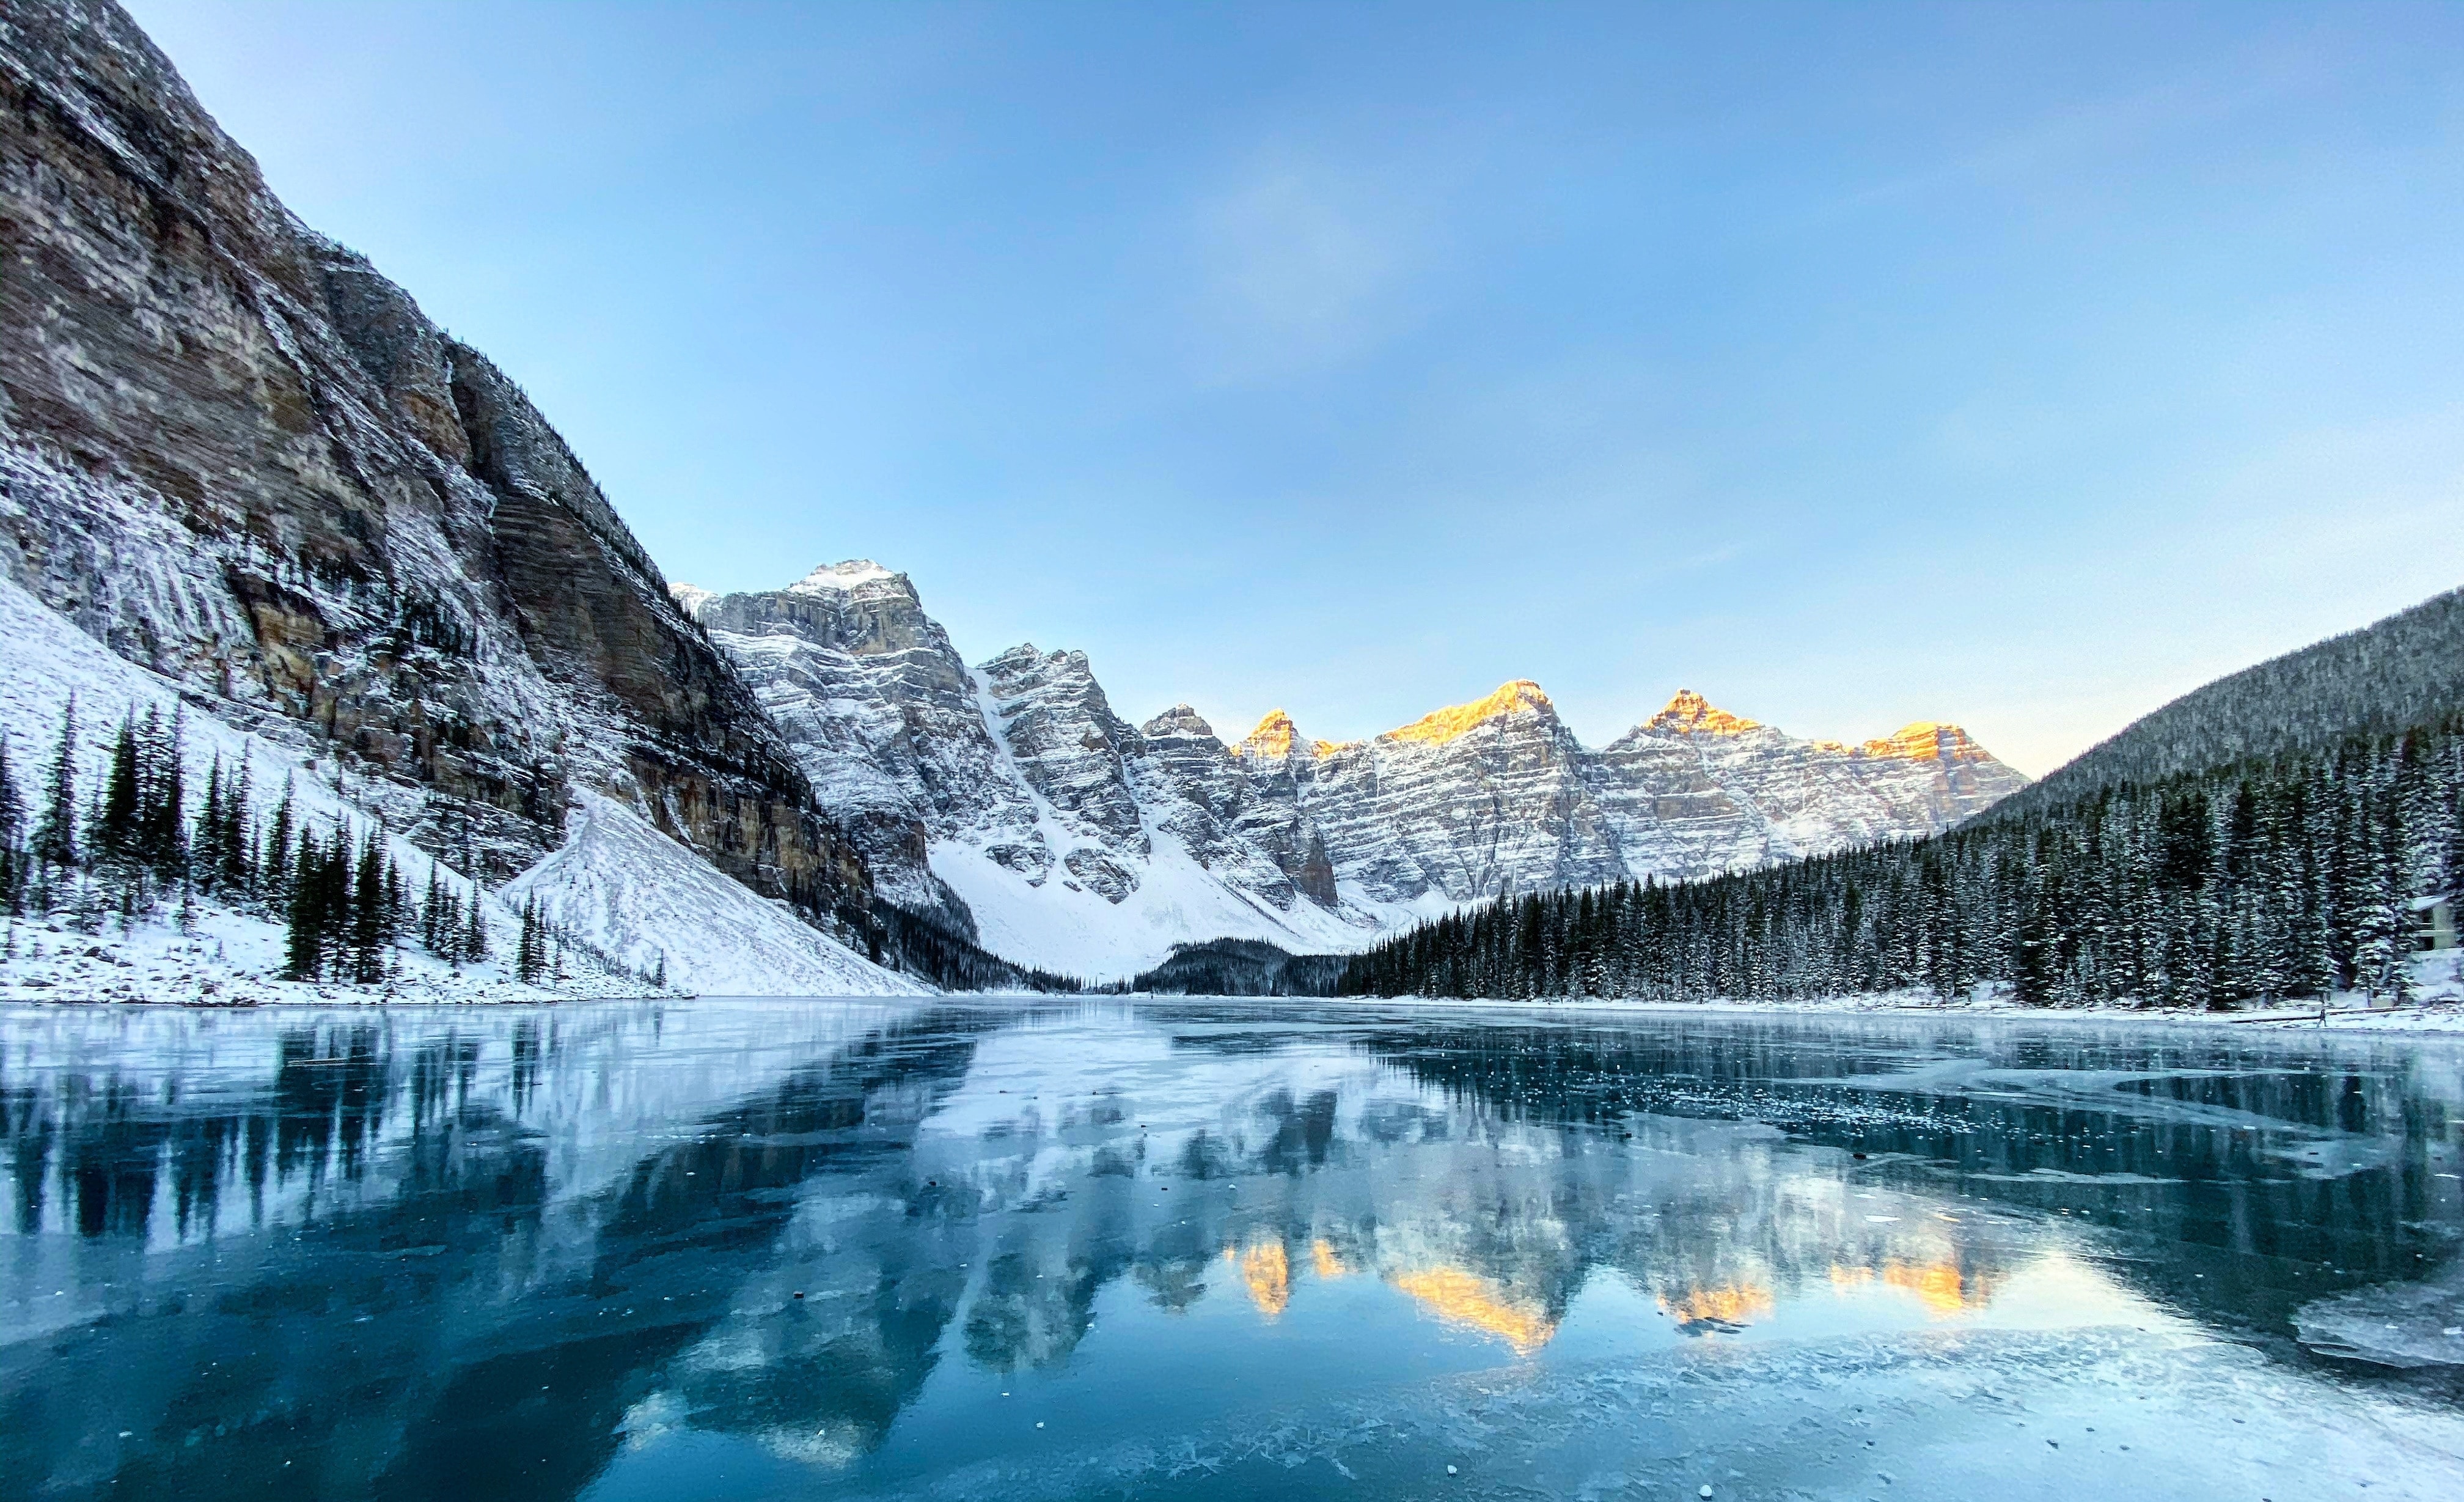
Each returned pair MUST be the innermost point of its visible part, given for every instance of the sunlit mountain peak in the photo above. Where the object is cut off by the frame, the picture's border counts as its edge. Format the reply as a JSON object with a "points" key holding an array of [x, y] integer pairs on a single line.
{"points": [[1522, 696], [1925, 742], [1691, 714], [1277, 738]]}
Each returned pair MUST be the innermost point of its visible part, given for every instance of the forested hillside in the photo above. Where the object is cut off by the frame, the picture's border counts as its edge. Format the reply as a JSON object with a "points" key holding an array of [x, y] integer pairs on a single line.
{"points": [[1241, 968], [2272, 878], [2406, 669]]}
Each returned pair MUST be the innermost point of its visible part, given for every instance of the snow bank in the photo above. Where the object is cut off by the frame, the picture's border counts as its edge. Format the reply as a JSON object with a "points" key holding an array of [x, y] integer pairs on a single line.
{"points": [[1072, 930], [639, 896]]}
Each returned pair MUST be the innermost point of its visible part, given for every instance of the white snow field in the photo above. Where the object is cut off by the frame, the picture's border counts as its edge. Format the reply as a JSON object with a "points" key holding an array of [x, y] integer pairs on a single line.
{"points": [[642, 897]]}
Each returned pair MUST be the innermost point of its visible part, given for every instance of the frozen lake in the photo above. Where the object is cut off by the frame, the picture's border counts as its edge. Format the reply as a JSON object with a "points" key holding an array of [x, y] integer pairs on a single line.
{"points": [[731, 1250]]}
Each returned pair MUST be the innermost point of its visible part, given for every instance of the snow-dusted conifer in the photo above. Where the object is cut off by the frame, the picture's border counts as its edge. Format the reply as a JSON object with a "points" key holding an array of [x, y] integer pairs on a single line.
{"points": [[54, 844]]}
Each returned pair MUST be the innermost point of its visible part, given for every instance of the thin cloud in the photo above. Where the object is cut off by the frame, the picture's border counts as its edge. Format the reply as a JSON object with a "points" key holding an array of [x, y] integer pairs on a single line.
{"points": [[1298, 268]]}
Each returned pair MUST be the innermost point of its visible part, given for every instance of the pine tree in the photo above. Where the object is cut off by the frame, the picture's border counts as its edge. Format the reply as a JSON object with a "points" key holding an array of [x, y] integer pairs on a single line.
{"points": [[368, 918], [12, 801], [304, 949], [13, 829], [162, 826], [431, 914], [238, 838], [525, 947], [55, 845], [205, 845], [278, 845], [112, 834]]}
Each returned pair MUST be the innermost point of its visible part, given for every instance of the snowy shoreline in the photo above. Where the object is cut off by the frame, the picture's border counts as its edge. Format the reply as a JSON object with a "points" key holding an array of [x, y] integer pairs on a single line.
{"points": [[232, 961], [2442, 1014]]}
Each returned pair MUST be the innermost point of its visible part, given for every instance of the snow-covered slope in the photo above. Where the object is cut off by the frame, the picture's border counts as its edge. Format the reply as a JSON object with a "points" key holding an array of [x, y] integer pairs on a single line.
{"points": [[637, 895], [220, 955], [1013, 798], [620, 886]]}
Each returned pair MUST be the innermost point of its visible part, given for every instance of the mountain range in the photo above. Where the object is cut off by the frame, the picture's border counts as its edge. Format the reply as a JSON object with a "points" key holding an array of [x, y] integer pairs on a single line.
{"points": [[249, 466], [1013, 801]]}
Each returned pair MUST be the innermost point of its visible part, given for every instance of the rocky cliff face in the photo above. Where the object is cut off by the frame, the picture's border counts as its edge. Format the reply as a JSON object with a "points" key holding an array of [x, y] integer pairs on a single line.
{"points": [[1083, 843], [1498, 796], [232, 452], [1011, 798]]}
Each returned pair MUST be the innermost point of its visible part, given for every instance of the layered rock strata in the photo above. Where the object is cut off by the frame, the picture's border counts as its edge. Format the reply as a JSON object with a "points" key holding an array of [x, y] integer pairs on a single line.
{"points": [[1091, 843], [235, 453]]}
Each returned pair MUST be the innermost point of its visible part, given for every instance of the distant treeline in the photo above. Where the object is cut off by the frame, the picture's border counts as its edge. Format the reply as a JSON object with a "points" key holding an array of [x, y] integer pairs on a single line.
{"points": [[910, 942], [1241, 968], [2274, 877]]}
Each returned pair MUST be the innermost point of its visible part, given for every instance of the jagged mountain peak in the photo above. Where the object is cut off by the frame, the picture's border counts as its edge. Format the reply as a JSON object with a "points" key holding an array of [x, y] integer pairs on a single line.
{"points": [[1027, 653], [1277, 738], [1179, 720], [1925, 741], [1689, 713], [843, 576], [1522, 696]]}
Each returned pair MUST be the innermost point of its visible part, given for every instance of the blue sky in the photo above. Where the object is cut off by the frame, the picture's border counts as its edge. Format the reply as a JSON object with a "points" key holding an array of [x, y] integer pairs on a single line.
{"points": [[1853, 365]]}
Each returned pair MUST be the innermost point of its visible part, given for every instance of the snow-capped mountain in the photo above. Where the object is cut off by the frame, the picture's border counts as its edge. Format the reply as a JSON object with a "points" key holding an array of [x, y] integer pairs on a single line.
{"points": [[234, 455], [1013, 799], [1009, 797]]}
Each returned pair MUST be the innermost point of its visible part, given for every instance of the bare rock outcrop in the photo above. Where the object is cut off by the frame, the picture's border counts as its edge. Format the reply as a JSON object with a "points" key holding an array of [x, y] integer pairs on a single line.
{"points": [[235, 453]]}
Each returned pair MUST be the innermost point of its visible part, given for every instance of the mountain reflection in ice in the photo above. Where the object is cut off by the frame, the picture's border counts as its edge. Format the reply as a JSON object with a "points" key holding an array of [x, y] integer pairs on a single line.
{"points": [[775, 1249]]}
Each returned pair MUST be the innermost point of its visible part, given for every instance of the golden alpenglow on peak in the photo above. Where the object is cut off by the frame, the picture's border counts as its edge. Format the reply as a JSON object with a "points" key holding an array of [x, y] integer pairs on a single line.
{"points": [[1691, 714], [1276, 737], [1925, 742], [1520, 696]]}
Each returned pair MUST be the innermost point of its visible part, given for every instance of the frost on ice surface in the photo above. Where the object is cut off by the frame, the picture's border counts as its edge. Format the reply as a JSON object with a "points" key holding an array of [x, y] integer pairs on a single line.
{"points": [[638, 895], [2407, 1326]]}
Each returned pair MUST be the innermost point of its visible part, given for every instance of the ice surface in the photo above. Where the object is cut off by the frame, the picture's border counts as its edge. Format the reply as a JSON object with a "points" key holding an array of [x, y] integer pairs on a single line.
{"points": [[1077, 1248], [2402, 1325]]}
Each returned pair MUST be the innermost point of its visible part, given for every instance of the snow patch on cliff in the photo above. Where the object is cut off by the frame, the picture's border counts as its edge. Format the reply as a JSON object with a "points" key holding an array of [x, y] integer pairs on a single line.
{"points": [[1060, 926], [841, 576], [638, 895]]}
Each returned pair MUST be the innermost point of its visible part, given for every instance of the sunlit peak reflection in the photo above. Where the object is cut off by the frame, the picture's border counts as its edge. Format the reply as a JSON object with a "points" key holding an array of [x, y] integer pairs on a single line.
{"points": [[1463, 1298], [1940, 1287], [1267, 1270], [1731, 1304], [1329, 1263]]}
